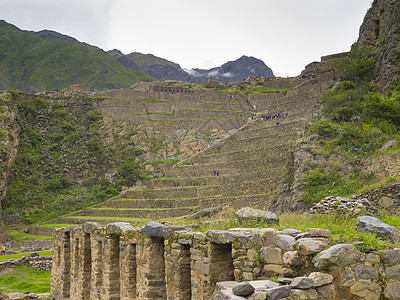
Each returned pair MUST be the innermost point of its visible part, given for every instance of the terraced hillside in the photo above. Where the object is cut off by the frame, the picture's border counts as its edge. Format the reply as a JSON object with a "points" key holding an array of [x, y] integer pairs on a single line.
{"points": [[250, 162]]}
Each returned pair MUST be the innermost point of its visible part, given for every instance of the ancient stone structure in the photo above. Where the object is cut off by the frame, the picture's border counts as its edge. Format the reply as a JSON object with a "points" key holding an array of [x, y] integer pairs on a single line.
{"points": [[120, 261]]}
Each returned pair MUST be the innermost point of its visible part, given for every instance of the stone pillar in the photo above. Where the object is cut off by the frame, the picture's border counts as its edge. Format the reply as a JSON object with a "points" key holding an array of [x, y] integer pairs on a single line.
{"points": [[97, 243], [60, 271], [81, 261], [177, 267], [128, 268], [151, 274], [200, 267], [112, 270]]}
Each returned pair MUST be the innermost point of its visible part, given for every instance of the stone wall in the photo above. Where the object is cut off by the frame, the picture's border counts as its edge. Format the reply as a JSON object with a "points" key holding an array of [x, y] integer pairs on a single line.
{"points": [[120, 261], [40, 263], [386, 197]]}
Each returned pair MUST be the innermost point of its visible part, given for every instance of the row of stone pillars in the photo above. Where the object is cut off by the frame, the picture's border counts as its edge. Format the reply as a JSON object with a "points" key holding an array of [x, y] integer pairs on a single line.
{"points": [[119, 262]]}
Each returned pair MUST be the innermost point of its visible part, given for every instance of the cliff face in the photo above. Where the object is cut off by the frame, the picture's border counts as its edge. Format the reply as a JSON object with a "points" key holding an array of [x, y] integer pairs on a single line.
{"points": [[9, 139], [380, 32]]}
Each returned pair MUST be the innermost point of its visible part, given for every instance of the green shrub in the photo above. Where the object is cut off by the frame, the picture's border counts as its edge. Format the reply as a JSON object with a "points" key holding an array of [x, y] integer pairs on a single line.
{"points": [[357, 66], [129, 172], [323, 128]]}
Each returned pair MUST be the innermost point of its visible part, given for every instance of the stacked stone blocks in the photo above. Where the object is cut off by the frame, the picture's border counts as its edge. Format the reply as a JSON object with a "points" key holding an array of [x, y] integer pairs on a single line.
{"points": [[120, 261]]}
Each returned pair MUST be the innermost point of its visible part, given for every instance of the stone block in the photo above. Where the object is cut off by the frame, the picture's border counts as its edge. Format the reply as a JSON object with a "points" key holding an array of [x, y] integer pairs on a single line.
{"points": [[366, 289], [365, 272], [155, 229], [392, 291], [328, 291], [297, 294], [340, 256], [291, 258], [271, 255], [309, 246], [274, 269], [227, 295], [302, 283], [278, 292], [285, 242], [392, 257], [393, 273], [320, 278]]}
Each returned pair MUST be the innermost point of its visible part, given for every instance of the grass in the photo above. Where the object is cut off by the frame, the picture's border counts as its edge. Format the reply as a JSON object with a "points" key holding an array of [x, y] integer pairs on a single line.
{"points": [[160, 113], [209, 119], [342, 227], [25, 279], [22, 237], [162, 121], [142, 209], [19, 255], [110, 218], [56, 225]]}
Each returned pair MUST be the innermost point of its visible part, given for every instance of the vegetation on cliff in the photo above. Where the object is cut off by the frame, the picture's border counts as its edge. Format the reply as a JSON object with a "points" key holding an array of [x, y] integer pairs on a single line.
{"points": [[61, 162], [358, 119]]}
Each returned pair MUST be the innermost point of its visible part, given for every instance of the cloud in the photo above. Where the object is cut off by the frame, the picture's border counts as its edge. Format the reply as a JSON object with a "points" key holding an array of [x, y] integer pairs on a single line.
{"points": [[213, 73], [227, 74]]}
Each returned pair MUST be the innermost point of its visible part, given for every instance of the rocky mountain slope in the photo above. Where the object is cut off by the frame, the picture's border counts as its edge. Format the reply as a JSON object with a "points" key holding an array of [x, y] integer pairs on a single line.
{"points": [[234, 71], [46, 60], [380, 33]]}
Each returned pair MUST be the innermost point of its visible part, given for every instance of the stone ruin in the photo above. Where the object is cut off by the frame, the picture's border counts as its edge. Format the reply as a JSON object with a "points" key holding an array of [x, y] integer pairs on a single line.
{"points": [[156, 261]]}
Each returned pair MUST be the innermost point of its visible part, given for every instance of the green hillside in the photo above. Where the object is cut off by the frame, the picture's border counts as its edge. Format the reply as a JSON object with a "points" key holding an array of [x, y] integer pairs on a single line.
{"points": [[31, 63]]}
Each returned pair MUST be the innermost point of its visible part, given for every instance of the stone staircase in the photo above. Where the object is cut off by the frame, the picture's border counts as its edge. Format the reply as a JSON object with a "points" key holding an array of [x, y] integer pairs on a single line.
{"points": [[250, 163]]}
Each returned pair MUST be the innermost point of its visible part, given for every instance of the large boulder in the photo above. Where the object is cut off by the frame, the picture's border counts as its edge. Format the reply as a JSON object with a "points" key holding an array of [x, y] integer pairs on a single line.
{"points": [[155, 229], [369, 224], [248, 214]]}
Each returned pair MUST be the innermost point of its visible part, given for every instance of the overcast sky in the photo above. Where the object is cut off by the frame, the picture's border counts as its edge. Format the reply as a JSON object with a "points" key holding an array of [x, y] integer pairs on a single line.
{"points": [[285, 34]]}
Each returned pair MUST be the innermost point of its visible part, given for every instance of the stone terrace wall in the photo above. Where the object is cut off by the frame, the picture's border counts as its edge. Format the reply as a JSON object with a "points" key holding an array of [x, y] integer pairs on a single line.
{"points": [[159, 262], [386, 197], [384, 166]]}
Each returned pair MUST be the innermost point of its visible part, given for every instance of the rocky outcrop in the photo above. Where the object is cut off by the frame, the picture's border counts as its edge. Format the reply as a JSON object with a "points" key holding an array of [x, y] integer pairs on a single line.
{"points": [[380, 32], [9, 140]]}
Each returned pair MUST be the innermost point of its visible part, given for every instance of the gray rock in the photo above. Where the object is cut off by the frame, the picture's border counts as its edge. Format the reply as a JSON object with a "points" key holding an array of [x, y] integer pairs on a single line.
{"points": [[119, 227], [227, 295], [243, 289], [365, 272], [248, 214], [388, 144], [291, 258], [155, 229], [302, 283], [367, 224], [291, 232], [271, 284], [320, 278], [392, 291], [285, 280], [278, 292], [309, 246], [222, 237], [285, 242], [340, 256], [392, 257]]}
